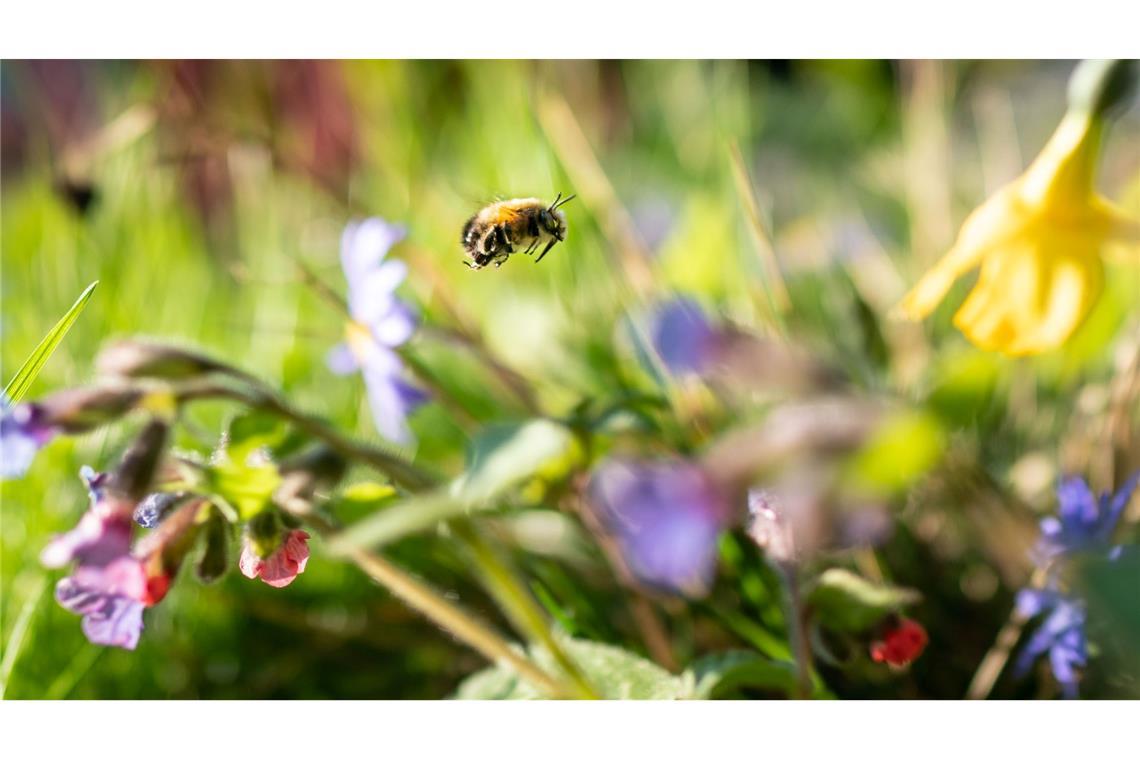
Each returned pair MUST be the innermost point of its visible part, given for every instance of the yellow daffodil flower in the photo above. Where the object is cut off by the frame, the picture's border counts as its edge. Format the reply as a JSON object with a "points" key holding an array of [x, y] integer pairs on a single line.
{"points": [[1038, 242]]}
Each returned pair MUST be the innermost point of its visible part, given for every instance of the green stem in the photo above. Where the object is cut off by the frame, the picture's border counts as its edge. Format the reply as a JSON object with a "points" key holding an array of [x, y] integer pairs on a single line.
{"points": [[797, 631], [432, 605], [416, 594], [263, 398], [519, 605]]}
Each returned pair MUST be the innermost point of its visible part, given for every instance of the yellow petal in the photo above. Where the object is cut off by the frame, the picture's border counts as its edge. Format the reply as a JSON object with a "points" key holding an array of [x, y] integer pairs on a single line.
{"points": [[1032, 295], [1118, 226], [995, 221]]}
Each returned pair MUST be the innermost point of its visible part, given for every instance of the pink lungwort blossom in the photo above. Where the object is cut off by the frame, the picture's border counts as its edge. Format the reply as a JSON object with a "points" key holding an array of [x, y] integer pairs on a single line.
{"points": [[280, 568]]}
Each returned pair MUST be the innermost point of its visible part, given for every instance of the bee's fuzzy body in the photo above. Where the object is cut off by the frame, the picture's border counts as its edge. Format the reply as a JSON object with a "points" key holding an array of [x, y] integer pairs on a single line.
{"points": [[504, 227]]}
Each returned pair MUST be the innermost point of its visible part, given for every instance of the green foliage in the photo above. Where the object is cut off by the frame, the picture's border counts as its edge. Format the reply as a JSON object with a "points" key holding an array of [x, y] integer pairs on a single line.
{"points": [[849, 222], [725, 675], [248, 488], [618, 674], [22, 380], [844, 601], [506, 456], [499, 460], [902, 449]]}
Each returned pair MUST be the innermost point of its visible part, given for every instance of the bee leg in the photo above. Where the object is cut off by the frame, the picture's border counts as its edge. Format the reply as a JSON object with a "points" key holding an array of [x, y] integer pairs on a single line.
{"points": [[545, 250], [504, 241], [530, 248]]}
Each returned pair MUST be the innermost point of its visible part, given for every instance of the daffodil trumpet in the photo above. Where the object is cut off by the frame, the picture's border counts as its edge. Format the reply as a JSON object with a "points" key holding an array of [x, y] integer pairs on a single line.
{"points": [[1038, 240]]}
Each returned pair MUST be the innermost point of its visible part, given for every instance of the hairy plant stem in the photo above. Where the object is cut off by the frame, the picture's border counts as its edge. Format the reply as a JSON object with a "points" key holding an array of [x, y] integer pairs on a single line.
{"points": [[797, 631], [432, 605], [526, 615], [263, 398], [417, 594]]}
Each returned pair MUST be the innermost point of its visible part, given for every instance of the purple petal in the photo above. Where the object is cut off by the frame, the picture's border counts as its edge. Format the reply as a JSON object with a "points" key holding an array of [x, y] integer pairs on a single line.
{"points": [[682, 337], [118, 624], [396, 326], [376, 359], [666, 519], [108, 598], [22, 433], [1115, 508], [1077, 507], [17, 452], [341, 360], [372, 294], [364, 244], [392, 400], [1032, 602], [97, 540]]}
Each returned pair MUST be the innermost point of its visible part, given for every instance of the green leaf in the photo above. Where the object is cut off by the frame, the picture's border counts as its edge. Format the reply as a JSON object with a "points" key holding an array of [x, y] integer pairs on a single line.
{"points": [[616, 673], [508, 455], [902, 449], [20, 384], [413, 515], [844, 601], [368, 492], [500, 459], [247, 488], [250, 431], [725, 674]]}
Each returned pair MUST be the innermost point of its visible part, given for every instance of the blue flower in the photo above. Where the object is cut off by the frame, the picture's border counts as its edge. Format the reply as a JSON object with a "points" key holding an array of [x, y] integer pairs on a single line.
{"points": [[23, 431], [682, 337], [666, 518], [1061, 636], [154, 507], [380, 322], [1083, 522]]}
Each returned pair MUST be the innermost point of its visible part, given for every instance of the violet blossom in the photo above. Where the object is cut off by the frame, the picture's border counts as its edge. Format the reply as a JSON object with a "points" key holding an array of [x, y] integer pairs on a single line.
{"points": [[1084, 524], [666, 518], [23, 432], [380, 323]]}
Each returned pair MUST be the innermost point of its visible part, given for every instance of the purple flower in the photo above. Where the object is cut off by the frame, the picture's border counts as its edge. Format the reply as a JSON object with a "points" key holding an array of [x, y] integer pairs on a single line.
{"points": [[1083, 522], [102, 535], [682, 337], [110, 599], [380, 323], [109, 587], [23, 431], [1061, 636], [666, 518]]}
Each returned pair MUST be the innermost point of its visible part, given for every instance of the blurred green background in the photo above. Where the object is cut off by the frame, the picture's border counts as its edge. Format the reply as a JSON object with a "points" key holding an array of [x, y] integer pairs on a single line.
{"points": [[188, 189]]}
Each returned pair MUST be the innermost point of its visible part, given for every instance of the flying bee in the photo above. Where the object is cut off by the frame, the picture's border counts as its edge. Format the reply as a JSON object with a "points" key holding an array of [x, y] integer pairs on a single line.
{"points": [[495, 232]]}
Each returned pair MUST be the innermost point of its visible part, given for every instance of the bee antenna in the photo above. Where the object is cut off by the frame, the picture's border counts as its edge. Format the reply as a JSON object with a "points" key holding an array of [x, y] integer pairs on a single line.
{"points": [[563, 202], [555, 204]]}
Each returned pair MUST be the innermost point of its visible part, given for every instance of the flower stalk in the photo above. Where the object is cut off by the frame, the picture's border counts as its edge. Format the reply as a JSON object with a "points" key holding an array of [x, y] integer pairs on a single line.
{"points": [[519, 605], [432, 605]]}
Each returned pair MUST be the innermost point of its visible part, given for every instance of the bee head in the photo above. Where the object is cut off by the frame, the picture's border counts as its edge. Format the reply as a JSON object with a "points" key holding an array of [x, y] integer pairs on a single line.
{"points": [[552, 220]]}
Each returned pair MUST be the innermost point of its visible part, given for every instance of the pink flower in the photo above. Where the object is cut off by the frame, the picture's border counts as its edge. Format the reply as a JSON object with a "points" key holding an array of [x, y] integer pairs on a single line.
{"points": [[280, 568]]}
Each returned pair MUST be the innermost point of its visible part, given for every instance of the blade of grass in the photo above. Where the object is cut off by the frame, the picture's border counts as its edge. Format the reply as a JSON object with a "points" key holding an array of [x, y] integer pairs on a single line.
{"points": [[775, 289], [16, 637], [76, 668], [23, 379]]}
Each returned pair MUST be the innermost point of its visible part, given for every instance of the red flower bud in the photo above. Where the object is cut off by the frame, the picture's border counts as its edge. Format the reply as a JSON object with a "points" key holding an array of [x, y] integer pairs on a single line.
{"points": [[901, 644]]}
